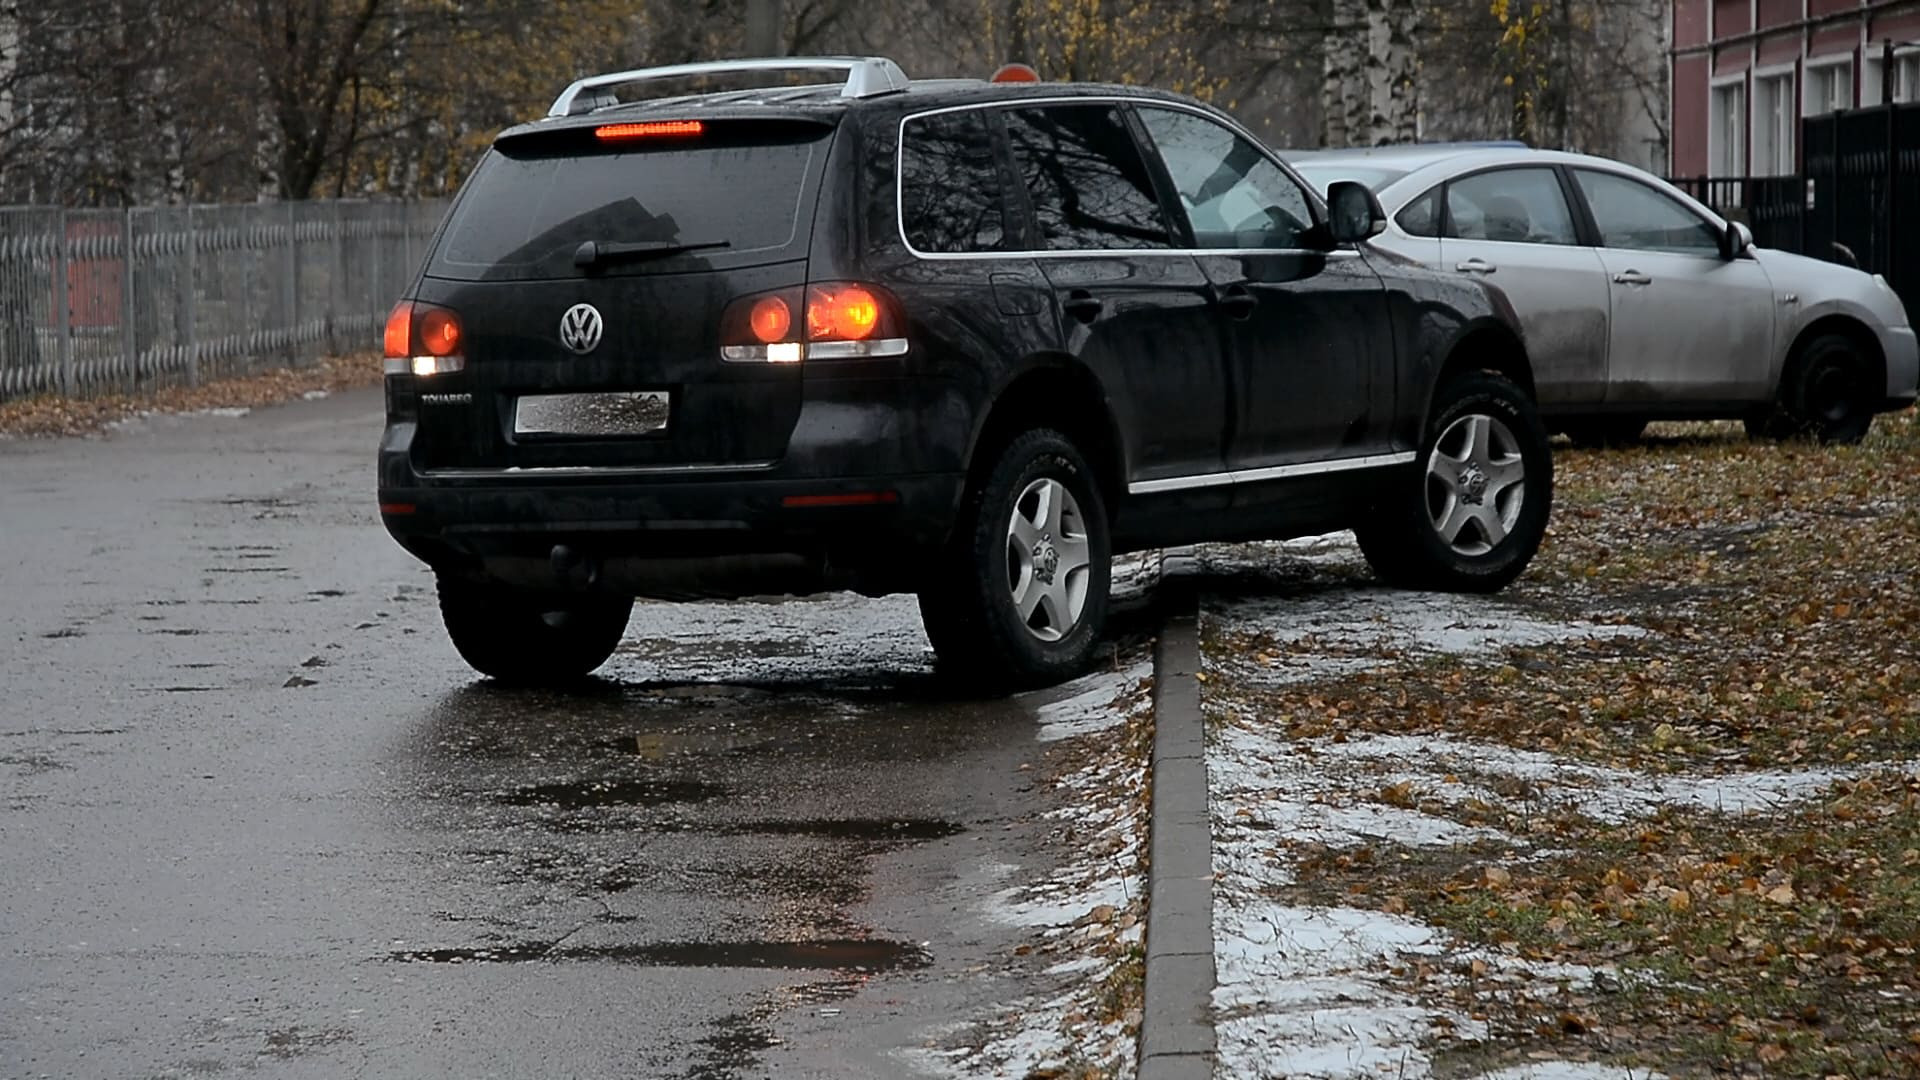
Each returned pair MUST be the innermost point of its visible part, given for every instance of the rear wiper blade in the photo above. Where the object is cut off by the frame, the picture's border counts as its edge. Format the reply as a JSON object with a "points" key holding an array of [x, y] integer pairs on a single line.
{"points": [[594, 253]]}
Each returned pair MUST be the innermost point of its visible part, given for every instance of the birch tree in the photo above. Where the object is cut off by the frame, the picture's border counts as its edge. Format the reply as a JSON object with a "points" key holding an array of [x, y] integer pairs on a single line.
{"points": [[1369, 63]]}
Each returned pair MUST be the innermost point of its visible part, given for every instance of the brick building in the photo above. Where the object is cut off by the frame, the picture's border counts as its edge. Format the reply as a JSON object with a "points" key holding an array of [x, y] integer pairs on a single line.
{"points": [[1746, 71]]}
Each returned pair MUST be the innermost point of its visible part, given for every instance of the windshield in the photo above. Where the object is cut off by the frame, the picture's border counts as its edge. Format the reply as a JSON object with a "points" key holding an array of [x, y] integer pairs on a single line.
{"points": [[1322, 174], [526, 213]]}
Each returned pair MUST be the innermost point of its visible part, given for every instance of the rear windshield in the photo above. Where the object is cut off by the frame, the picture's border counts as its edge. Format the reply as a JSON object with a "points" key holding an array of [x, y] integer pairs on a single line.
{"points": [[1322, 176], [525, 212]]}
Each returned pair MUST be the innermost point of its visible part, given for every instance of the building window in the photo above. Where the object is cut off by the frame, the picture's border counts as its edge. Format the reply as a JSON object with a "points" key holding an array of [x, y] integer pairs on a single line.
{"points": [[1906, 77], [1727, 132], [1773, 124], [1829, 87], [1905, 87]]}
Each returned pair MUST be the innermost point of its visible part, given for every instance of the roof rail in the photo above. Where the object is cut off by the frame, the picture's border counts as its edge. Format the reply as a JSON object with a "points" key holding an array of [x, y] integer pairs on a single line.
{"points": [[867, 76]]}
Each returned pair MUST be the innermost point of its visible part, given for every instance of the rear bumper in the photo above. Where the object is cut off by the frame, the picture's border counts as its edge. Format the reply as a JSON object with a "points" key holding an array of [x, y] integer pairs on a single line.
{"points": [[869, 484], [695, 533]]}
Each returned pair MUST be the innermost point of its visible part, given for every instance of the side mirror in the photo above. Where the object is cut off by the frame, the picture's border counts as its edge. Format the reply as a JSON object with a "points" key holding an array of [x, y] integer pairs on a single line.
{"points": [[1353, 213], [1738, 239]]}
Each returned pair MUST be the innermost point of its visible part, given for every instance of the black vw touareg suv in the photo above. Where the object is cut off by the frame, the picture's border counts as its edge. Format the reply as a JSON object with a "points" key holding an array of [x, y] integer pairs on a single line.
{"points": [[961, 339]]}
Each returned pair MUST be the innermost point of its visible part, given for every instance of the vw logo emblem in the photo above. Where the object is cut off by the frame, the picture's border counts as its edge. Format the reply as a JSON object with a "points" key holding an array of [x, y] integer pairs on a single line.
{"points": [[580, 328]]}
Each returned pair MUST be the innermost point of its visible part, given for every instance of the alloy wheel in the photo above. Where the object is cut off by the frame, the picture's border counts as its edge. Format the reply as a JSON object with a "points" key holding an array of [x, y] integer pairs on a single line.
{"points": [[1048, 563], [1476, 484]]}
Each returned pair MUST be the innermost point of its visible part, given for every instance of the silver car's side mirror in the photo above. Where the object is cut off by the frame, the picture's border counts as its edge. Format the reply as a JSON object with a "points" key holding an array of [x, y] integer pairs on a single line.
{"points": [[1353, 213], [1738, 240]]}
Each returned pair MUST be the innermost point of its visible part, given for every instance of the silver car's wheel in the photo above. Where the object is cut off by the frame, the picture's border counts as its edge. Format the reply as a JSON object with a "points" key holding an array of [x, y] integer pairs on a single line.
{"points": [[1049, 563], [1476, 484]]}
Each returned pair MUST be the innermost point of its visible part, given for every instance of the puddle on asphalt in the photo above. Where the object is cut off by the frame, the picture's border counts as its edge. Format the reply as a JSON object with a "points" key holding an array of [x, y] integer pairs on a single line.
{"points": [[593, 794], [844, 954], [658, 745], [873, 829]]}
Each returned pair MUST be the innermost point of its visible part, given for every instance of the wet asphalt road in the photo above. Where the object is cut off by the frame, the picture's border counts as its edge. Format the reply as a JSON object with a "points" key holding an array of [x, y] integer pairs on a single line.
{"points": [[256, 818]]}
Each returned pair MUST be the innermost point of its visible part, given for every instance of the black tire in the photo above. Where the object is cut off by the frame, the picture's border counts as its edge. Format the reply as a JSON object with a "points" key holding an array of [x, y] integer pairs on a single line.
{"points": [[531, 639], [1828, 391], [1594, 432], [1401, 540], [968, 605]]}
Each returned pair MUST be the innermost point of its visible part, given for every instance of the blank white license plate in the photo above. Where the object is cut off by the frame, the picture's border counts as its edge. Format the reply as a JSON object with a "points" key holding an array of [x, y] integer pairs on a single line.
{"points": [[599, 415]]}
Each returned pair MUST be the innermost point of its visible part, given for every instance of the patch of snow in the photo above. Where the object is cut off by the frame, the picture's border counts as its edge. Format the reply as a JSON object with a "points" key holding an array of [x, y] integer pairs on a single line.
{"points": [[1134, 575], [1092, 703], [225, 412], [1570, 1070], [1329, 550], [1308, 991], [134, 419], [1604, 794], [1273, 789], [1295, 996], [1382, 621], [838, 638], [314, 395]]}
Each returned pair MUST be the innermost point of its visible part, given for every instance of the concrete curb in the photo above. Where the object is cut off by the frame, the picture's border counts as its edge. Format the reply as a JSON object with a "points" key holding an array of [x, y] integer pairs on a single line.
{"points": [[1176, 1030]]}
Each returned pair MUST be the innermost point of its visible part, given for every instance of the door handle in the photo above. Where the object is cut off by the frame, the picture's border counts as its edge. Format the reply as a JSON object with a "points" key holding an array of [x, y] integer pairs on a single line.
{"points": [[1475, 266], [1238, 302], [1632, 277], [1082, 305]]}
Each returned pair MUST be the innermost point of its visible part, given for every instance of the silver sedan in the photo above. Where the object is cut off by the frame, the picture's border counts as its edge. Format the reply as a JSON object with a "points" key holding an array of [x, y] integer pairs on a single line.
{"points": [[1638, 302]]}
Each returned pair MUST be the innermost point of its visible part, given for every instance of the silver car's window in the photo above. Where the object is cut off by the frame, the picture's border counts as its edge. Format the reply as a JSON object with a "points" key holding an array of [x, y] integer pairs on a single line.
{"points": [[1520, 206], [1421, 217], [1634, 216], [1233, 193]]}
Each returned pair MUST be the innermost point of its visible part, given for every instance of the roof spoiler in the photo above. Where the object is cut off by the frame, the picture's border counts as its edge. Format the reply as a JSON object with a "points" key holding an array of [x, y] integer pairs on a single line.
{"points": [[867, 76]]}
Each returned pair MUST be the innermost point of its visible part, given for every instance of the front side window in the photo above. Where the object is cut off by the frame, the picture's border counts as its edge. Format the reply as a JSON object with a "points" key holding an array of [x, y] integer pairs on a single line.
{"points": [[1518, 206], [1634, 216], [1086, 178], [1233, 193], [950, 191]]}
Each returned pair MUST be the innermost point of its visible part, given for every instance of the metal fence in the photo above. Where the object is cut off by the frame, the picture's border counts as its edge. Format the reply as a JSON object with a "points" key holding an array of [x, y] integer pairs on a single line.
{"points": [[1856, 198], [104, 300]]}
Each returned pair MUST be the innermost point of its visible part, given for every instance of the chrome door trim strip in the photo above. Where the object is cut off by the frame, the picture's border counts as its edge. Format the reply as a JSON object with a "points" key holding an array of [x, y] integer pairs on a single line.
{"points": [[1272, 472]]}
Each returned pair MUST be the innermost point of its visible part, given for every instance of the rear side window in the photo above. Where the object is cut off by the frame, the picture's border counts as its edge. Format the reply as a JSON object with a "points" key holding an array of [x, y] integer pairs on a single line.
{"points": [[1421, 217], [1086, 178], [950, 189], [1516, 206], [526, 211]]}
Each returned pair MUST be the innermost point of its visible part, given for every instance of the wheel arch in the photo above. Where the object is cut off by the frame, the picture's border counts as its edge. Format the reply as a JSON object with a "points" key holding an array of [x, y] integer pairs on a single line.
{"points": [[1842, 324], [1058, 392], [1485, 344]]}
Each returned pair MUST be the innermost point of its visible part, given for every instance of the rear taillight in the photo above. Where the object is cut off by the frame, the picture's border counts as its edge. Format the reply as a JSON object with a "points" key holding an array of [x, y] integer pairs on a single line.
{"points": [[423, 339], [844, 321]]}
